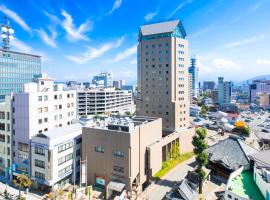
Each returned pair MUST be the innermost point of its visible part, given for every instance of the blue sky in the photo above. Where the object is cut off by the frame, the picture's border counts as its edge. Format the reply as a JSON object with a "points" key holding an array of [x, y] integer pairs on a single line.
{"points": [[77, 39]]}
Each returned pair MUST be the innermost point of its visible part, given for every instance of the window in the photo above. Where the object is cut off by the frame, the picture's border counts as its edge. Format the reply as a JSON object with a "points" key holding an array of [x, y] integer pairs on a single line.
{"points": [[118, 169], [40, 121], [42, 82], [45, 109], [23, 147], [118, 153], [65, 159], [2, 126], [39, 163], [60, 107], [55, 107], [39, 175], [64, 147], [229, 196], [39, 98], [65, 170], [55, 96], [45, 98], [2, 138], [79, 140], [2, 115], [99, 149], [68, 95], [60, 96], [45, 119], [39, 110], [39, 151]]}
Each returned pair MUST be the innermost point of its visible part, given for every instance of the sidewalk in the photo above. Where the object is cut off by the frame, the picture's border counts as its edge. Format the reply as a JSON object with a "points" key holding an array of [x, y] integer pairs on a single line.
{"points": [[15, 192]]}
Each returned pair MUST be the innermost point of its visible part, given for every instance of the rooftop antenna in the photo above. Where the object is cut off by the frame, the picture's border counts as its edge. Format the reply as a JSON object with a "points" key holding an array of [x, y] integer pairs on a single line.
{"points": [[7, 33]]}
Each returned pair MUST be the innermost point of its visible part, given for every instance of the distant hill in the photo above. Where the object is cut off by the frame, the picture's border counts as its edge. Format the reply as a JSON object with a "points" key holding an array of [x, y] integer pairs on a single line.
{"points": [[266, 77]]}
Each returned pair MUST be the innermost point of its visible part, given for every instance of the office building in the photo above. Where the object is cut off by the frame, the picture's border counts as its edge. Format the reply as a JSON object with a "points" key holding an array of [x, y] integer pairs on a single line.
{"points": [[104, 100], [263, 100], [126, 153], [119, 84], [209, 85], [104, 79], [258, 86], [194, 82], [5, 139], [55, 157], [163, 87], [16, 69], [224, 91], [41, 107]]}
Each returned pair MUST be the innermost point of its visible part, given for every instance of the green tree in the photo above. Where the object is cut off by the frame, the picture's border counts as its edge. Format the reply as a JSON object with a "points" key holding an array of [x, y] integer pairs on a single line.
{"points": [[199, 150], [22, 181]]}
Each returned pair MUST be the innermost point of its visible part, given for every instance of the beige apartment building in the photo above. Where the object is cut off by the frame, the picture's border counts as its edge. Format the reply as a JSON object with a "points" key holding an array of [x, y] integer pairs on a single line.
{"points": [[122, 153], [163, 82]]}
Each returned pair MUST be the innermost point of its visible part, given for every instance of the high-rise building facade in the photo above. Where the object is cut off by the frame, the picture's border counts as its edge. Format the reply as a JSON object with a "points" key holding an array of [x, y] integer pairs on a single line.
{"points": [[41, 107], [16, 69], [104, 79], [209, 85], [193, 71], [163, 74], [5, 138], [224, 91], [258, 86]]}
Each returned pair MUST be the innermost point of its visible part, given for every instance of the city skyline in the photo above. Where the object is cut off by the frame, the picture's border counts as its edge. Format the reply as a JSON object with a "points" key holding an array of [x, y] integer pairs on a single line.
{"points": [[80, 39]]}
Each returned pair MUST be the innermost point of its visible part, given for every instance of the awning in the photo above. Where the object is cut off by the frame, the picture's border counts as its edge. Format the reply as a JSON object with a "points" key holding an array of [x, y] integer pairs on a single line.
{"points": [[119, 187]]}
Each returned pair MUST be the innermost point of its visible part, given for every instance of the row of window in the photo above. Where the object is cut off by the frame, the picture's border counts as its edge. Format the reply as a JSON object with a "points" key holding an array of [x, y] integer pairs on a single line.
{"points": [[65, 159], [3, 114], [65, 170], [39, 163], [116, 153], [39, 151], [64, 147], [45, 97]]}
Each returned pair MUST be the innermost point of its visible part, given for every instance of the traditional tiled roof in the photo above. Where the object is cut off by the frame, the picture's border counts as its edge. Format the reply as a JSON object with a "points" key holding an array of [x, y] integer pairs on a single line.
{"points": [[232, 153]]}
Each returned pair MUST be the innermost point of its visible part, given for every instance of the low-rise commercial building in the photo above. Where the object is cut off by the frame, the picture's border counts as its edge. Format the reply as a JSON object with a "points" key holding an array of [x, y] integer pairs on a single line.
{"points": [[55, 157], [107, 100], [263, 99], [126, 153]]}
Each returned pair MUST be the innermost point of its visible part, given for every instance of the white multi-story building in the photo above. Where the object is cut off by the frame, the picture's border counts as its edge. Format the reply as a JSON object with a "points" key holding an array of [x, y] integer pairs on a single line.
{"points": [[5, 138], [55, 157], [41, 107], [107, 100]]}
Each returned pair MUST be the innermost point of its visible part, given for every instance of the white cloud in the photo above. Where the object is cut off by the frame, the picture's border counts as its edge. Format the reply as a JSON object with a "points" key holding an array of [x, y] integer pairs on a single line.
{"points": [[256, 6], [245, 41], [221, 63], [125, 54], [16, 18], [116, 5], [53, 18], [263, 61], [74, 33], [198, 33], [150, 16], [181, 5], [127, 74], [22, 47], [133, 62], [48, 39], [93, 53]]}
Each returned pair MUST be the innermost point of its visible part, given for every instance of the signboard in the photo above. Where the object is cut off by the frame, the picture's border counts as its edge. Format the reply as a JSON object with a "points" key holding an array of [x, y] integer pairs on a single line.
{"points": [[100, 181], [80, 192], [19, 169], [83, 173]]}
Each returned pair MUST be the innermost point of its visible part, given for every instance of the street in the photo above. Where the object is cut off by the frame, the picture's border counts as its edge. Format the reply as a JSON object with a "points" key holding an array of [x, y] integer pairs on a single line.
{"points": [[158, 190]]}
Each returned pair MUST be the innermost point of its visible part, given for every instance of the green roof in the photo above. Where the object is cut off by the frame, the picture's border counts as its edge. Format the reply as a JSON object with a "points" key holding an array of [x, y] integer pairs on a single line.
{"points": [[244, 186]]}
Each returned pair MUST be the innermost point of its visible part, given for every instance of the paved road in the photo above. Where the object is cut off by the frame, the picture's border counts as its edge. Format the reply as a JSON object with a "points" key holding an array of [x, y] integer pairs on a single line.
{"points": [[159, 189]]}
